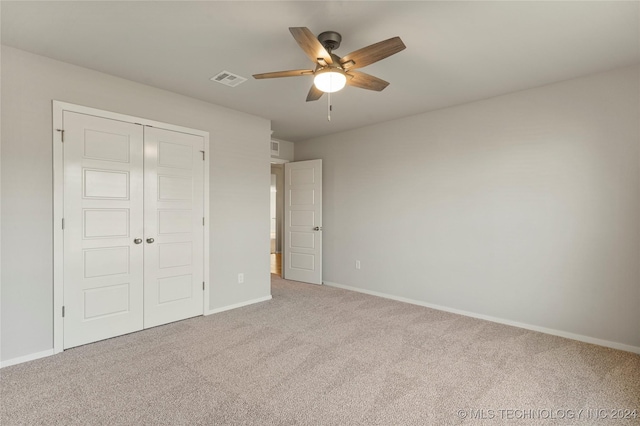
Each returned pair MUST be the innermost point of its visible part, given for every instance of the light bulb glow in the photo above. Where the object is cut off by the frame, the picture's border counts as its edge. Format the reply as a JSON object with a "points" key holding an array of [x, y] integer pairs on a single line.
{"points": [[330, 80]]}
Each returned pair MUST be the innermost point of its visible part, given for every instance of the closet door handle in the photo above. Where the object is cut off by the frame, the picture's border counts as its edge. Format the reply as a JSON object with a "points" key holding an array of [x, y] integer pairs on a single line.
{"points": [[137, 240], [150, 240]]}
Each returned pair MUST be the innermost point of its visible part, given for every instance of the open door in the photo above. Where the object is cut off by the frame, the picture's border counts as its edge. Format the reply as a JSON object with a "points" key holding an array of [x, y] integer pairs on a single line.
{"points": [[302, 260]]}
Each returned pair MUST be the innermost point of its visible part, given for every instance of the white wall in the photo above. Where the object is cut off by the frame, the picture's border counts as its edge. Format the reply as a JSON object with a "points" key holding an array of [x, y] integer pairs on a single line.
{"points": [[285, 150], [239, 187], [524, 207]]}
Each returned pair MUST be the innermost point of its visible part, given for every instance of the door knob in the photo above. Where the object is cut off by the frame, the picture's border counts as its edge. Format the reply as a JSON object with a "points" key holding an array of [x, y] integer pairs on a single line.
{"points": [[318, 228], [137, 240], [150, 240]]}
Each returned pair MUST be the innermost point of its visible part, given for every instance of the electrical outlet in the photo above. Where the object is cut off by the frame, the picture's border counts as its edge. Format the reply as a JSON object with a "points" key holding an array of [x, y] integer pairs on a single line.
{"points": [[240, 278], [357, 264]]}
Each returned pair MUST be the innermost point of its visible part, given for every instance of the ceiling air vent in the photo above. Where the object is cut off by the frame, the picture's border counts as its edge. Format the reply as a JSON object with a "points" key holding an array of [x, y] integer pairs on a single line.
{"points": [[228, 78]]}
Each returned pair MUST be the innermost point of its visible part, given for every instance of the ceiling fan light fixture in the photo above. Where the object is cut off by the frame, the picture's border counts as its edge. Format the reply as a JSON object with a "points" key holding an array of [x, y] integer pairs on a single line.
{"points": [[331, 72], [330, 80]]}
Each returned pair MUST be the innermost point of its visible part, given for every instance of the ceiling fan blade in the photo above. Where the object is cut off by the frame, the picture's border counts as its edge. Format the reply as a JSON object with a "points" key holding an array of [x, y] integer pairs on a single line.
{"points": [[373, 53], [366, 81], [310, 44], [314, 93], [292, 73]]}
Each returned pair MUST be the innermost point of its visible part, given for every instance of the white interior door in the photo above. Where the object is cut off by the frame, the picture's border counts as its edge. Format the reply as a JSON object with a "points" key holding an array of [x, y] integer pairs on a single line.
{"points": [[133, 234], [103, 228], [303, 221], [174, 226]]}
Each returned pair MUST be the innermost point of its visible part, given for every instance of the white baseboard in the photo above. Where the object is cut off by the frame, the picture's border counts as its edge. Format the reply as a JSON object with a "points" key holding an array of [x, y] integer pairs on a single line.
{"points": [[50, 352], [560, 333], [26, 358], [237, 305]]}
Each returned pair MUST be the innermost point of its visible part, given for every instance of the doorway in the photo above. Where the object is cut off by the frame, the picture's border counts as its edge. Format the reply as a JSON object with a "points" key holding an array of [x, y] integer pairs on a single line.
{"points": [[276, 217], [296, 212]]}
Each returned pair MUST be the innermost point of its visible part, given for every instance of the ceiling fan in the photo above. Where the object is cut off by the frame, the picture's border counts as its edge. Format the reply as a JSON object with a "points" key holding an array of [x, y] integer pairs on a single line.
{"points": [[332, 72]]}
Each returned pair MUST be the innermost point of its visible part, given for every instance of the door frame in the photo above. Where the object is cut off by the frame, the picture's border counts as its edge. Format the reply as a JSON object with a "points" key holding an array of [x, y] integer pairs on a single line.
{"points": [[280, 235], [58, 109]]}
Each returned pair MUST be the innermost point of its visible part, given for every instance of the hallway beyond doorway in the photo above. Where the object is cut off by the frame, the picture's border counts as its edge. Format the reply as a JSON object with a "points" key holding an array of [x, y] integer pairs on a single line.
{"points": [[276, 263]]}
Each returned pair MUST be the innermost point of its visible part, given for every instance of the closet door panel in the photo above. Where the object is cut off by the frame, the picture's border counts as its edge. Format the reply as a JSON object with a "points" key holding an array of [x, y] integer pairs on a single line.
{"points": [[103, 214], [174, 231]]}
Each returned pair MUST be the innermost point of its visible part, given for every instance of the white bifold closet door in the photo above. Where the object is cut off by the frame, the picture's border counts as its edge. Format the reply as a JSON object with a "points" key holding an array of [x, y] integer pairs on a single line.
{"points": [[133, 233]]}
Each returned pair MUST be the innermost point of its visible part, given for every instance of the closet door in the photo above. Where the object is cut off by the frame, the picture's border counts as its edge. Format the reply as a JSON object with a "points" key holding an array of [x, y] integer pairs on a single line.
{"points": [[174, 227], [103, 228]]}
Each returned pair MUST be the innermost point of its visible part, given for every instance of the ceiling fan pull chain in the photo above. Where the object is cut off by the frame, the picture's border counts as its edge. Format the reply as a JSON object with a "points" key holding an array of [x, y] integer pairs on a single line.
{"points": [[329, 106]]}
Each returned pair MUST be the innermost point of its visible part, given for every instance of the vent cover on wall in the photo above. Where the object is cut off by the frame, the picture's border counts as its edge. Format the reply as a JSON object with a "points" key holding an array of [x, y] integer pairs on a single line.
{"points": [[275, 147], [228, 79]]}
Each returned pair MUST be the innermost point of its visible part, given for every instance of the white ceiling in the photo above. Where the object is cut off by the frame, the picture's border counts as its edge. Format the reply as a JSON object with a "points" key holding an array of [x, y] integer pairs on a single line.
{"points": [[456, 52]]}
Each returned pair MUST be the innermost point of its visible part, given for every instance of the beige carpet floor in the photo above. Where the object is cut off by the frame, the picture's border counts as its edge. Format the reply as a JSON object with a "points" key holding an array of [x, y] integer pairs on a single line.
{"points": [[316, 355]]}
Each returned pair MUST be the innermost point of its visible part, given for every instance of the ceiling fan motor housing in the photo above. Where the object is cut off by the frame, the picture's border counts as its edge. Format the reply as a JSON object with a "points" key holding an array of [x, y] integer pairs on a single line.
{"points": [[330, 40]]}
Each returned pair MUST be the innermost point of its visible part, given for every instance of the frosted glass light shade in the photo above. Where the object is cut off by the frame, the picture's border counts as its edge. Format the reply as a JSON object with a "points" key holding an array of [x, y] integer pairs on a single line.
{"points": [[330, 80]]}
